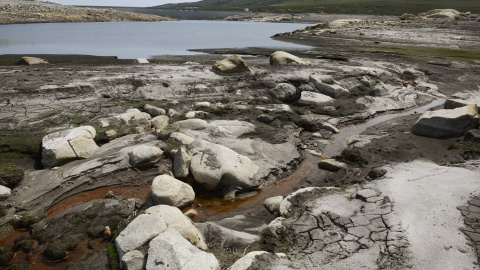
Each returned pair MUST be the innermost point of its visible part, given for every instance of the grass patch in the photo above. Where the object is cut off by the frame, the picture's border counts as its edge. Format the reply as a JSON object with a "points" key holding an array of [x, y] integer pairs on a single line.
{"points": [[466, 145], [377, 7], [112, 254], [425, 54]]}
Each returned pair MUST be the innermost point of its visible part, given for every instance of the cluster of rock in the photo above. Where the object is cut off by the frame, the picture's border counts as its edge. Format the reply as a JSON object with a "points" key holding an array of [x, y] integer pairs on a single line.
{"points": [[40, 11], [172, 239], [448, 14]]}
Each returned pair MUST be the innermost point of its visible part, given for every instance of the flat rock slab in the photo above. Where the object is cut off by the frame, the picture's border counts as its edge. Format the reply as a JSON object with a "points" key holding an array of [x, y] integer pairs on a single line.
{"points": [[447, 123]]}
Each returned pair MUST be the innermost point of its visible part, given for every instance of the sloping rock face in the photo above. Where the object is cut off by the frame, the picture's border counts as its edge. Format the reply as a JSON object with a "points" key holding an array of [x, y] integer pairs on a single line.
{"points": [[231, 65], [440, 14], [64, 146], [284, 58], [170, 250], [215, 233], [212, 163], [26, 60], [447, 123], [104, 166]]}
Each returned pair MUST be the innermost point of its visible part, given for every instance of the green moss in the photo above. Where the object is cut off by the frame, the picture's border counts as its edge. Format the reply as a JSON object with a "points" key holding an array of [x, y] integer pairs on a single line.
{"points": [[113, 260], [425, 54], [352, 156], [466, 145]]}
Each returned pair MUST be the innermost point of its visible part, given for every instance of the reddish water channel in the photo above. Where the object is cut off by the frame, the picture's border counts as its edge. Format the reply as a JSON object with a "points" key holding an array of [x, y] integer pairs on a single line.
{"points": [[208, 207]]}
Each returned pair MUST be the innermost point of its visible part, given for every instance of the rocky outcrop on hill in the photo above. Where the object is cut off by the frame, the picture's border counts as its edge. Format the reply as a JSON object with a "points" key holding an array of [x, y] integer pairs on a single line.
{"points": [[23, 11]]}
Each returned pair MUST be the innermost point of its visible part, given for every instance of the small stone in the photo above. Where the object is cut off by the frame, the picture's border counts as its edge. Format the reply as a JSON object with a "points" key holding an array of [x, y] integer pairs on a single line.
{"points": [[191, 213]]}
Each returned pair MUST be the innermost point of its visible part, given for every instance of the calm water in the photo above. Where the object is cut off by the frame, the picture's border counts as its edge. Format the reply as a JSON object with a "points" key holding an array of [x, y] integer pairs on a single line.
{"points": [[130, 40]]}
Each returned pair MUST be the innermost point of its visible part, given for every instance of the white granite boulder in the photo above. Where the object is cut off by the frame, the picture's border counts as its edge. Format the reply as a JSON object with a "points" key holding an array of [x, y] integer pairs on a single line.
{"points": [[273, 204], [175, 219], [64, 146], [447, 123], [5, 192], [283, 58], [144, 156], [139, 232], [170, 250], [170, 191], [231, 65], [213, 163]]}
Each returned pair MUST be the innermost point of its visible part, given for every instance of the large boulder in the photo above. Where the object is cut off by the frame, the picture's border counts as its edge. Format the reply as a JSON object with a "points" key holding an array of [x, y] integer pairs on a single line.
{"points": [[64, 146], [175, 219], [283, 91], [213, 163], [282, 58], [447, 123], [170, 250], [139, 232], [329, 87], [26, 60], [231, 65], [144, 156], [170, 191]]}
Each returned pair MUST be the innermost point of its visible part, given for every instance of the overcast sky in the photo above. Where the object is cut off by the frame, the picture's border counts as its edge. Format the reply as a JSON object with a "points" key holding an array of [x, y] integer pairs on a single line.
{"points": [[119, 3]]}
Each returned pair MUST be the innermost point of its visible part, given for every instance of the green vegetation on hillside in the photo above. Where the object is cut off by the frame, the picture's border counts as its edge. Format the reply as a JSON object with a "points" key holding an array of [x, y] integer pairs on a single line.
{"points": [[378, 7]]}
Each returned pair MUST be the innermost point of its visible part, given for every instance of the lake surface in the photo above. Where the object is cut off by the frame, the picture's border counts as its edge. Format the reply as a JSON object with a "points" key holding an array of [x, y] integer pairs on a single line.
{"points": [[129, 40]]}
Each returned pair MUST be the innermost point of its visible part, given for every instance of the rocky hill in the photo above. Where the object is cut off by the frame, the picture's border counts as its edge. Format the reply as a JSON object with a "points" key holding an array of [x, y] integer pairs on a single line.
{"points": [[13, 11]]}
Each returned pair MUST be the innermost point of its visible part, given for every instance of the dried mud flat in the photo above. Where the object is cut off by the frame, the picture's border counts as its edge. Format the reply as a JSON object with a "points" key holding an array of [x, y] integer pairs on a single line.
{"points": [[421, 212]]}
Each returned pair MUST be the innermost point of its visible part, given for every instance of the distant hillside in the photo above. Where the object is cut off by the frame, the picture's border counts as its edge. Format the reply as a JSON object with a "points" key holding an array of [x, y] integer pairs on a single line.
{"points": [[385, 7]]}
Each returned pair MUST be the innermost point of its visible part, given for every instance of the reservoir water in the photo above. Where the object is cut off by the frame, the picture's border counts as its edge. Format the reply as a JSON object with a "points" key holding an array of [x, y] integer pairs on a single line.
{"points": [[128, 40]]}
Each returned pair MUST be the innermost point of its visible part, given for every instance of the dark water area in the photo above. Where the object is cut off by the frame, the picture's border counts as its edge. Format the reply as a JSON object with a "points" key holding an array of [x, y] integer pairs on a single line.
{"points": [[130, 40]]}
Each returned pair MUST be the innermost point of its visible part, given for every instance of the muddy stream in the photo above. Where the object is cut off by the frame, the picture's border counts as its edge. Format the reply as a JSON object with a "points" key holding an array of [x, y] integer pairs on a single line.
{"points": [[206, 206]]}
